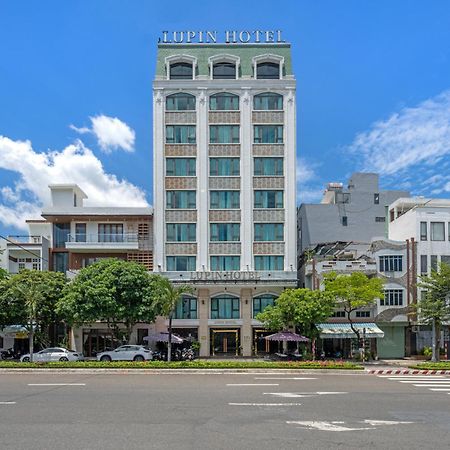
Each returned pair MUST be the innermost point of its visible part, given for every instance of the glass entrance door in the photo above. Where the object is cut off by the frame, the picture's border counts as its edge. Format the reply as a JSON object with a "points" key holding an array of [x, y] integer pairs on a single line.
{"points": [[225, 342]]}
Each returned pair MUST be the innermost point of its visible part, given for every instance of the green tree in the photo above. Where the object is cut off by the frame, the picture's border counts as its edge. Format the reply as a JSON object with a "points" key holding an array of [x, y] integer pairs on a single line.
{"points": [[171, 295], [114, 291], [434, 307], [29, 299], [301, 308], [353, 292]]}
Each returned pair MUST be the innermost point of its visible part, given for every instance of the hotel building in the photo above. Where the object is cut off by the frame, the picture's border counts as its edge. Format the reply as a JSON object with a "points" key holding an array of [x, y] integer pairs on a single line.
{"points": [[224, 186]]}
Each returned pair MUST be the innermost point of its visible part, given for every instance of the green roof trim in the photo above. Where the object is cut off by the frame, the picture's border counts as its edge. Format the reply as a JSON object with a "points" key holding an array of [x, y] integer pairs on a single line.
{"points": [[204, 51]]}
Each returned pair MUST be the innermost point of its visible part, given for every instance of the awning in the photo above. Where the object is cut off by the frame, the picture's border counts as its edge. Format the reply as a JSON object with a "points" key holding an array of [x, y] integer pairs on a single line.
{"points": [[344, 331], [17, 331]]}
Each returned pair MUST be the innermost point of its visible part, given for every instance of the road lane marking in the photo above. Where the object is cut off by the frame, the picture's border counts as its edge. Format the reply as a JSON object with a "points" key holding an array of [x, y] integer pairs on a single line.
{"points": [[56, 384], [264, 404], [439, 389], [301, 394], [385, 422], [424, 381], [284, 378], [253, 384], [7, 403], [429, 385], [325, 426]]}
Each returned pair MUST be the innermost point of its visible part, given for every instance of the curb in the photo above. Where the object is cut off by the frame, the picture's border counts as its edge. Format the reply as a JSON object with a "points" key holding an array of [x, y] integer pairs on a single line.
{"points": [[407, 372], [183, 371]]}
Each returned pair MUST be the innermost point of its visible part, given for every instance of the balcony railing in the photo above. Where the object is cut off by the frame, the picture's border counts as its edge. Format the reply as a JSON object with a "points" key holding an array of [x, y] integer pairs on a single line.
{"points": [[25, 239], [103, 238]]}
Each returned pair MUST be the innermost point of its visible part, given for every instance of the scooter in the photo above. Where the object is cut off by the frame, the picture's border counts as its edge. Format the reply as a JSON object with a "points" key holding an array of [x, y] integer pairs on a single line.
{"points": [[8, 354]]}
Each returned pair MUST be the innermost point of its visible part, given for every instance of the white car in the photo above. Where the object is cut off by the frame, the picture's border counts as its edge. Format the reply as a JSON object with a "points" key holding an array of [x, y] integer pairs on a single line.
{"points": [[53, 354], [127, 353]]}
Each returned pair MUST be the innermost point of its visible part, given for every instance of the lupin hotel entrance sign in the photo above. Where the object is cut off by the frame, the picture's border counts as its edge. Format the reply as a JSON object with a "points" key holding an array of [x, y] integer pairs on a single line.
{"points": [[228, 37]]}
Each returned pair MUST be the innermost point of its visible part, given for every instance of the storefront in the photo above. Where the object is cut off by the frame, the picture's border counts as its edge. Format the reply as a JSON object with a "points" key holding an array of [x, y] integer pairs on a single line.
{"points": [[225, 342]]}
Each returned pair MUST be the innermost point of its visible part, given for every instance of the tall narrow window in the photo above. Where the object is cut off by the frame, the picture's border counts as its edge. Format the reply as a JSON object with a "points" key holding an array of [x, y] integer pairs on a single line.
{"points": [[376, 199], [434, 262], [423, 264], [344, 221], [423, 231], [80, 232]]}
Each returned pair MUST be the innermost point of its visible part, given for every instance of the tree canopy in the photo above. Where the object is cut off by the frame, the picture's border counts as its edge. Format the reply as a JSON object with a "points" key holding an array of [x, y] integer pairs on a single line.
{"points": [[114, 291], [434, 306], [298, 308]]}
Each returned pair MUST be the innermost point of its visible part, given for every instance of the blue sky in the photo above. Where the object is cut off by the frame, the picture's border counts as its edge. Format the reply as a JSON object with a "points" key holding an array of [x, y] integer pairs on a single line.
{"points": [[75, 92]]}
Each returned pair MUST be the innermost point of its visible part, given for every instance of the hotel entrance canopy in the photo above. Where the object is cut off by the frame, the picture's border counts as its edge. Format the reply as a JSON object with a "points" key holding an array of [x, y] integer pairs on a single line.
{"points": [[344, 331]]}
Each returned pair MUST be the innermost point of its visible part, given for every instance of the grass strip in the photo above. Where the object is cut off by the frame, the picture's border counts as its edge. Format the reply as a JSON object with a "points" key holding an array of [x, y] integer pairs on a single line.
{"points": [[443, 365]]}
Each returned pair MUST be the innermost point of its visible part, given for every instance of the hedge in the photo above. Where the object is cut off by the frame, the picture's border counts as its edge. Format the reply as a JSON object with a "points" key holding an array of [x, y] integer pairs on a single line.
{"points": [[198, 364], [443, 365]]}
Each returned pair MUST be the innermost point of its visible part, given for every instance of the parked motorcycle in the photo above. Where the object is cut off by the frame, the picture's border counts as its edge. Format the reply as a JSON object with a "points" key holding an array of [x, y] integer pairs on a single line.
{"points": [[9, 354], [187, 354]]}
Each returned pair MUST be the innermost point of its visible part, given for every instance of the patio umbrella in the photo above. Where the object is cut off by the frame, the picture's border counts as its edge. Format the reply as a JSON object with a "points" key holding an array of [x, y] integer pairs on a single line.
{"points": [[163, 337], [286, 336]]}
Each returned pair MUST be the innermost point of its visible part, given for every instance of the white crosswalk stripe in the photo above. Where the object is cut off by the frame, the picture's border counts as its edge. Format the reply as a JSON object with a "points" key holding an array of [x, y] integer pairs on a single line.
{"points": [[436, 383]]}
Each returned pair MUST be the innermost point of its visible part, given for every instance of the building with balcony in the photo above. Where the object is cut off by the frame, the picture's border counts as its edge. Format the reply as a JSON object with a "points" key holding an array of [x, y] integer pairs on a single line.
{"points": [[224, 185]]}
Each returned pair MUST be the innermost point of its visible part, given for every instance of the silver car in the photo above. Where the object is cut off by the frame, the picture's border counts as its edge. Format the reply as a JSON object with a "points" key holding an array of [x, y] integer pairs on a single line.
{"points": [[127, 353], [53, 354]]}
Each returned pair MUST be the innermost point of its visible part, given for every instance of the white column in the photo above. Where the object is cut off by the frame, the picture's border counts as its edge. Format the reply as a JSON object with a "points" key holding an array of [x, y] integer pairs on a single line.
{"points": [[290, 225], [158, 181], [202, 181], [246, 183]]}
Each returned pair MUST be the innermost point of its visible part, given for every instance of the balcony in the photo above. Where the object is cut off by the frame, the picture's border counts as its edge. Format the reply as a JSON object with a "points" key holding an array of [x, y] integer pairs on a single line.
{"points": [[24, 239], [107, 243]]}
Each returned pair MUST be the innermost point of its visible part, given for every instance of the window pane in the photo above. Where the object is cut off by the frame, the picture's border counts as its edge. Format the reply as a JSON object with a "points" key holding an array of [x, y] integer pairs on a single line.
{"points": [[269, 262], [225, 307], [224, 134], [181, 199], [268, 134], [181, 232], [269, 232], [180, 263], [268, 199], [61, 232], [224, 199], [437, 231], [180, 167], [180, 102], [224, 263], [268, 102], [261, 303], [433, 262], [224, 71], [224, 101], [225, 232], [423, 264], [180, 134], [181, 71], [267, 70], [224, 166], [268, 166], [423, 231]]}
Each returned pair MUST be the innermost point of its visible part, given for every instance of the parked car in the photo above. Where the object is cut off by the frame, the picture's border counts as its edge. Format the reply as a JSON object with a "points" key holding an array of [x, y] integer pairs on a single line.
{"points": [[53, 354], [127, 353]]}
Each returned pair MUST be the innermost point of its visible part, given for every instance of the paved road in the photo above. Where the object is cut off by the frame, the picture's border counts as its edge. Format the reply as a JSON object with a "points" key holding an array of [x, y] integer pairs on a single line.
{"points": [[241, 411]]}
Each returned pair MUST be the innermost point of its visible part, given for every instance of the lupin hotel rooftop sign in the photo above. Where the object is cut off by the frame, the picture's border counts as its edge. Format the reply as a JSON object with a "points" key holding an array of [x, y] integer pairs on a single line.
{"points": [[228, 37]]}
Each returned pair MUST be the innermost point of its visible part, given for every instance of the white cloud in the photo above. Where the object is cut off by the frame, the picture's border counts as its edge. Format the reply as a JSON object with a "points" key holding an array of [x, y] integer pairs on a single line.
{"points": [[309, 187], [74, 164], [111, 133], [413, 136]]}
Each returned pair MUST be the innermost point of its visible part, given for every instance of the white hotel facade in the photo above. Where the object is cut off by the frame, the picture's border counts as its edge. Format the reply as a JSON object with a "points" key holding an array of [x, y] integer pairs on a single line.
{"points": [[225, 186]]}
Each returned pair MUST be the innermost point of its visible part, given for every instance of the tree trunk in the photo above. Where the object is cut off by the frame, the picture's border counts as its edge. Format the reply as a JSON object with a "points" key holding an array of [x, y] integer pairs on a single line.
{"points": [[435, 341], [355, 330], [31, 341], [169, 342]]}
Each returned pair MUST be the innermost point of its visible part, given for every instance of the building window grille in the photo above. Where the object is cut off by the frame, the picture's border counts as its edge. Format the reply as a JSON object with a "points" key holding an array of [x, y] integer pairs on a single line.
{"points": [[267, 71], [269, 262], [391, 263], [268, 199], [261, 302], [224, 199], [268, 101], [225, 232], [224, 134], [269, 232], [180, 167], [437, 231], [180, 102], [224, 71], [224, 101], [181, 232], [268, 134], [181, 199], [392, 297], [423, 231], [224, 167], [225, 307], [180, 263], [181, 71], [180, 134], [268, 166], [224, 263]]}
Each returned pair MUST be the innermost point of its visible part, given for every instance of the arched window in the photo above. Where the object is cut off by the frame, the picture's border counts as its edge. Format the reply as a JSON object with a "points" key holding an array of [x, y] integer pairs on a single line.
{"points": [[268, 101], [224, 101], [225, 307], [181, 71], [224, 71], [186, 308], [261, 302], [180, 102], [268, 71]]}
